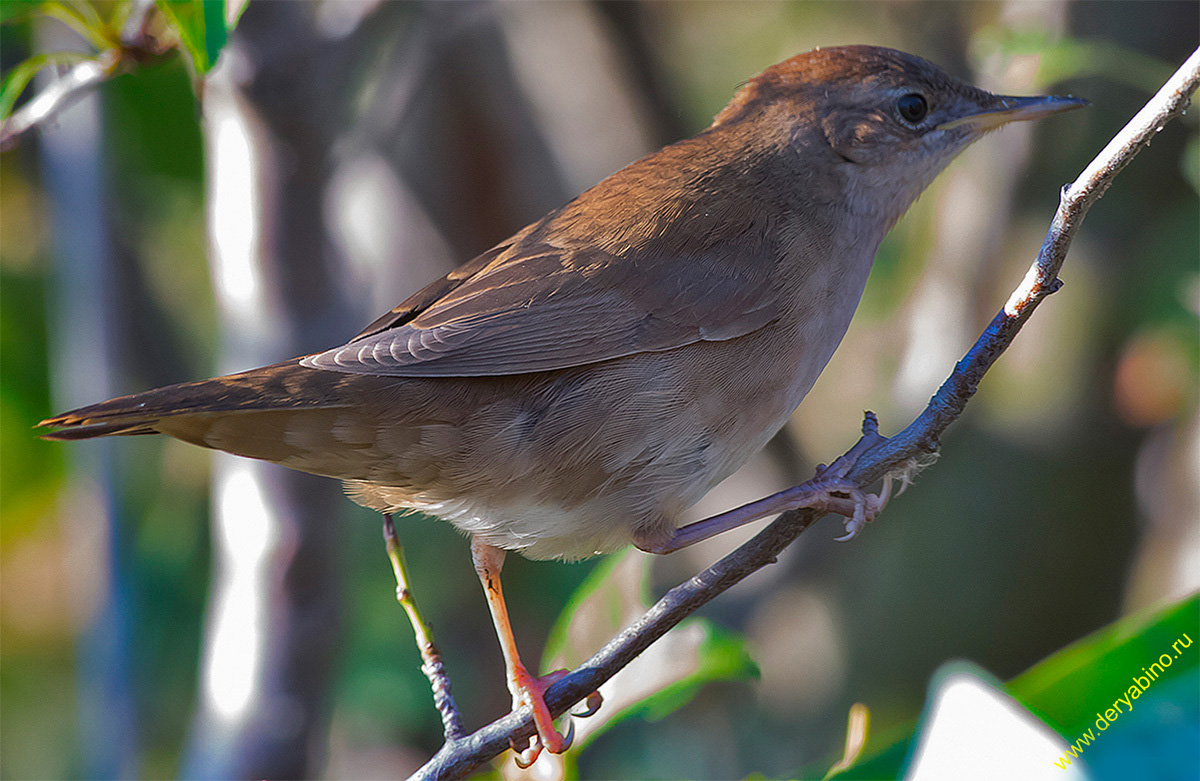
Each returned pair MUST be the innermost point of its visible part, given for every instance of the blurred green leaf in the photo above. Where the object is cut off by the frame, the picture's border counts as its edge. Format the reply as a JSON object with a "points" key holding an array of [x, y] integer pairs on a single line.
{"points": [[722, 656], [1066, 689], [14, 10], [233, 13], [666, 676], [215, 33], [605, 592], [120, 15], [1072, 58], [83, 19], [1190, 164], [202, 29], [17, 79], [186, 18], [32, 468]]}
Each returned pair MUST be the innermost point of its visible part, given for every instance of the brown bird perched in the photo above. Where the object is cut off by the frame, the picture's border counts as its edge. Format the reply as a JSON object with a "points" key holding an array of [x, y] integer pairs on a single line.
{"points": [[578, 386]]}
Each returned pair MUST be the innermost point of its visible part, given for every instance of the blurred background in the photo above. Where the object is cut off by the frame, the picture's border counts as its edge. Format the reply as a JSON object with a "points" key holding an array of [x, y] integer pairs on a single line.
{"points": [[167, 613]]}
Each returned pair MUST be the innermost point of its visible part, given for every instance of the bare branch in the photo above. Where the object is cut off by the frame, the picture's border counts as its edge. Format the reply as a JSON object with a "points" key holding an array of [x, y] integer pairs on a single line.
{"points": [[1040, 281], [459, 757]]}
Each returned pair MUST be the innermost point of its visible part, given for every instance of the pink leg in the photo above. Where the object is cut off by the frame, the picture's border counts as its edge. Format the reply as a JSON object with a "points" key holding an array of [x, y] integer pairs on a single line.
{"points": [[526, 689]]}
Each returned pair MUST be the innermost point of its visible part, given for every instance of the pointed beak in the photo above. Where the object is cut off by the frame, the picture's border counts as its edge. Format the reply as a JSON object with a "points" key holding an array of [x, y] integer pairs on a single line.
{"points": [[1015, 109]]}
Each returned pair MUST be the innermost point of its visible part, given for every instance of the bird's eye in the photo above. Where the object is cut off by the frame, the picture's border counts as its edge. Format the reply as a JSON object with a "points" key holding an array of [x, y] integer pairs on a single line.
{"points": [[912, 108]]}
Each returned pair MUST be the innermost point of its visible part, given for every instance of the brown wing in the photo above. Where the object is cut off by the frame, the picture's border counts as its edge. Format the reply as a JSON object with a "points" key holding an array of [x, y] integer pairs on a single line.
{"points": [[530, 306], [425, 297]]}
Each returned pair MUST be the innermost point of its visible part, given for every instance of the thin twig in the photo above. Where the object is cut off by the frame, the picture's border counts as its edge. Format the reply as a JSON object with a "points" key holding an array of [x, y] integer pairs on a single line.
{"points": [[1040, 281], [58, 96], [431, 665], [137, 45], [458, 757]]}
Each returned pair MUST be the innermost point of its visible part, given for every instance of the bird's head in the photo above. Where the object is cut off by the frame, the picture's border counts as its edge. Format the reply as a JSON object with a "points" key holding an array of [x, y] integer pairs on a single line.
{"points": [[886, 121]]}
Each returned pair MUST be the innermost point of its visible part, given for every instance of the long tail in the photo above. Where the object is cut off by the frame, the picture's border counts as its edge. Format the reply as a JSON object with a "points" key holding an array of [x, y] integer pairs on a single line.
{"points": [[176, 409], [348, 426], [289, 414]]}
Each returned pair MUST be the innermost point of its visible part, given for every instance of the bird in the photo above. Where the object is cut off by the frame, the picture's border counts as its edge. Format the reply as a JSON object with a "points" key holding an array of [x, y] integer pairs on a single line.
{"points": [[578, 386]]}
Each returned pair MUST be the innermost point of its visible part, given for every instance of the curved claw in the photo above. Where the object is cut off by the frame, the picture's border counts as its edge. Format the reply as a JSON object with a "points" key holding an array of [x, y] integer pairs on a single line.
{"points": [[866, 507], [854, 524], [512, 743], [529, 692], [528, 755], [852, 529], [592, 703], [569, 738]]}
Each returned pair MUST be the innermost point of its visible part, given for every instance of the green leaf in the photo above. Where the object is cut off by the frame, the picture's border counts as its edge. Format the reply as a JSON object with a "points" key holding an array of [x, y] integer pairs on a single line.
{"points": [[120, 14], [18, 10], [1103, 665], [83, 19], [202, 29], [1071, 58], [18, 78], [615, 589], [215, 34], [187, 19], [721, 656], [663, 678], [233, 13], [1068, 689], [1190, 164]]}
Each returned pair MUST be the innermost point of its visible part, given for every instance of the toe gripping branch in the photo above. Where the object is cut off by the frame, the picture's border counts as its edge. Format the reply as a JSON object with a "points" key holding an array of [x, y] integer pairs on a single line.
{"points": [[546, 737], [830, 491], [837, 494]]}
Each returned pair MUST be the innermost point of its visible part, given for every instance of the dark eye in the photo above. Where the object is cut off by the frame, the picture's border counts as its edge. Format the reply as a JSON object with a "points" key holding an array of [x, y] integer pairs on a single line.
{"points": [[912, 107]]}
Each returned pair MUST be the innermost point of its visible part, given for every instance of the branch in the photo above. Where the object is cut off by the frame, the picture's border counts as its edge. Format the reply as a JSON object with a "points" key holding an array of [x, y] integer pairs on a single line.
{"points": [[1040, 281], [137, 44], [458, 757], [435, 671]]}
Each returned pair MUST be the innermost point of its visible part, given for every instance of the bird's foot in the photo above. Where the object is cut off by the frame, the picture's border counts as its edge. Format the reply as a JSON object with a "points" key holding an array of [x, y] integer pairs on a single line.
{"points": [[857, 506], [529, 690], [835, 494]]}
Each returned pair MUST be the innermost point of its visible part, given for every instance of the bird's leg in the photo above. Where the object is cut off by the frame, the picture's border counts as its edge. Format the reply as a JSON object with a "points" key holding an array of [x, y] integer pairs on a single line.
{"points": [[526, 689], [828, 491]]}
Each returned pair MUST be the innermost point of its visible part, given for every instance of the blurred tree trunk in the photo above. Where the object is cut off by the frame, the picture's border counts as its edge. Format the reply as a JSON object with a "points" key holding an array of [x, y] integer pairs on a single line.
{"points": [[356, 151], [86, 354], [270, 113]]}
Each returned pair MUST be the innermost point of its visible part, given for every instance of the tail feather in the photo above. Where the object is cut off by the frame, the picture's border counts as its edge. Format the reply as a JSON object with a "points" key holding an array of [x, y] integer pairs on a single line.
{"points": [[88, 431], [339, 425], [283, 386]]}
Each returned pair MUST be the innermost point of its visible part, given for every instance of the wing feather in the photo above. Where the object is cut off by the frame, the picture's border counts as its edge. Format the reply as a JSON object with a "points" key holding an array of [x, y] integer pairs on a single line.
{"points": [[539, 303]]}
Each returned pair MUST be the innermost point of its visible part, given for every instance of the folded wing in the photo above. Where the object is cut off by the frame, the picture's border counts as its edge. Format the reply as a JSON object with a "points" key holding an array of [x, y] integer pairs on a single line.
{"points": [[529, 306]]}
